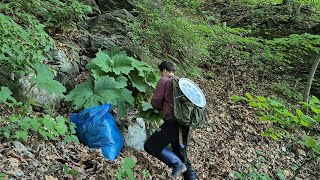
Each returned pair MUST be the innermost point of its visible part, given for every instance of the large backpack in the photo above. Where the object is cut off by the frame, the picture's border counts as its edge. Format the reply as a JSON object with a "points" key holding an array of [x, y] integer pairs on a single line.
{"points": [[184, 111]]}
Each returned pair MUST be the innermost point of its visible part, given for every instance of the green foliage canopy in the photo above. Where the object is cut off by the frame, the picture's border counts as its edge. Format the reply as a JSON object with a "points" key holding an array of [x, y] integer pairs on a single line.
{"points": [[22, 46]]}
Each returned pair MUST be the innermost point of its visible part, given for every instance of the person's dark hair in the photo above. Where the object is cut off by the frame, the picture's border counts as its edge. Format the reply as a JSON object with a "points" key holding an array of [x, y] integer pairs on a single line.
{"points": [[166, 65]]}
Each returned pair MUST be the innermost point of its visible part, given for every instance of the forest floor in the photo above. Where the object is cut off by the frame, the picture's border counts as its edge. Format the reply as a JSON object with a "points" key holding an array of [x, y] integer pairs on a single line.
{"points": [[228, 142]]}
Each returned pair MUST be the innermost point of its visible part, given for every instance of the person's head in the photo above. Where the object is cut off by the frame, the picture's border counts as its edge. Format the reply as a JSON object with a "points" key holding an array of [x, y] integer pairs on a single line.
{"points": [[167, 69]]}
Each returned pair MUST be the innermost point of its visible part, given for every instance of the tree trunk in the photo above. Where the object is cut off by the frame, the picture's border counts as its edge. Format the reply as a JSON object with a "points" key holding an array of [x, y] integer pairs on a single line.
{"points": [[310, 78]]}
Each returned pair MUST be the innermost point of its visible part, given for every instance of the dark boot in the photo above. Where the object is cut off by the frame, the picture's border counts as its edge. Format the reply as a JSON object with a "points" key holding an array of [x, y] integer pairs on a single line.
{"points": [[189, 175], [173, 161]]}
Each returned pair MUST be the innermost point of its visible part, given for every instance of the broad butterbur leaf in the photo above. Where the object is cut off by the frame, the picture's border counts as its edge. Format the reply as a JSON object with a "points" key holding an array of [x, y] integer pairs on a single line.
{"points": [[146, 106], [105, 90], [82, 96], [101, 61], [121, 64], [137, 81]]}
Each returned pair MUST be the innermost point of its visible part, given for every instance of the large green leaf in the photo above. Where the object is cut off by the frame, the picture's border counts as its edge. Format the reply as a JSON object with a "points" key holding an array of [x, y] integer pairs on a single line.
{"points": [[122, 80], [107, 83], [137, 81], [146, 106], [97, 72], [115, 50], [142, 67], [106, 90], [82, 96], [152, 79], [44, 79], [129, 99], [102, 61], [121, 64], [111, 91]]}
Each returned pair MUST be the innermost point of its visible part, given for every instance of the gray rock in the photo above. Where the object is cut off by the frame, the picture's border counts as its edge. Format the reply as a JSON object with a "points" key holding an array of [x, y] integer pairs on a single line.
{"points": [[107, 5], [84, 41], [20, 148], [67, 69], [111, 29], [112, 23], [41, 97], [65, 65], [106, 43], [18, 173], [101, 42], [135, 136]]}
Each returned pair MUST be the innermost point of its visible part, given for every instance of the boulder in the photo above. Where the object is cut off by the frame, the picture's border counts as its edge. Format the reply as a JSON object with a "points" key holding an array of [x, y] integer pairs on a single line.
{"points": [[135, 134], [93, 4], [106, 43], [40, 97], [67, 68], [101, 42], [107, 5], [111, 23], [108, 30]]}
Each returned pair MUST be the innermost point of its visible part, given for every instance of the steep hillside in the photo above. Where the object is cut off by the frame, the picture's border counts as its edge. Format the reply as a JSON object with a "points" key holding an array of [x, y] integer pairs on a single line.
{"points": [[251, 58]]}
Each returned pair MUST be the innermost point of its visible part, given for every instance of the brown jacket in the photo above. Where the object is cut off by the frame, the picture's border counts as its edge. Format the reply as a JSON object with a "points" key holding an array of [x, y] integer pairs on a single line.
{"points": [[163, 97]]}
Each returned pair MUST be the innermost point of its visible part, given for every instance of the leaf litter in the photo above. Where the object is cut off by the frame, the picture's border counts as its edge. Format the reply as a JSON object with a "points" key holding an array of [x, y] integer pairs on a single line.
{"points": [[229, 142]]}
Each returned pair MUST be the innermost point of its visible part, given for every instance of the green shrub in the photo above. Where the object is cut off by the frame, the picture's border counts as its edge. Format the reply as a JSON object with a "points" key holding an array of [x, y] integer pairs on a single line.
{"points": [[192, 4], [22, 46], [309, 3], [23, 38], [45, 127], [126, 169], [114, 76], [44, 79], [284, 123], [284, 120], [275, 55], [232, 43], [287, 91], [52, 13], [169, 32], [6, 98]]}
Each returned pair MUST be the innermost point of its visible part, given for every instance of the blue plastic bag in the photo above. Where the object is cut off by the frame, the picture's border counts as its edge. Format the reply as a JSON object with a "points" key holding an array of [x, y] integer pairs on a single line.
{"points": [[96, 128]]}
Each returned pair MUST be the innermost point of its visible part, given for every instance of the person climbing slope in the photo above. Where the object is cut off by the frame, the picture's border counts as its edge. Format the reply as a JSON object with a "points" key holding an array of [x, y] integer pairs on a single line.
{"points": [[168, 133]]}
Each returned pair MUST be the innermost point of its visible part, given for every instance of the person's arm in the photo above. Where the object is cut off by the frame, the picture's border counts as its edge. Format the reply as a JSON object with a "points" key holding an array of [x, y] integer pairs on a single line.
{"points": [[158, 96]]}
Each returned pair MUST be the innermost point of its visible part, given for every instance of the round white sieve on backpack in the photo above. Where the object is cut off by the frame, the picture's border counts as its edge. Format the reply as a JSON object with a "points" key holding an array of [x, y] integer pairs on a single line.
{"points": [[192, 92]]}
